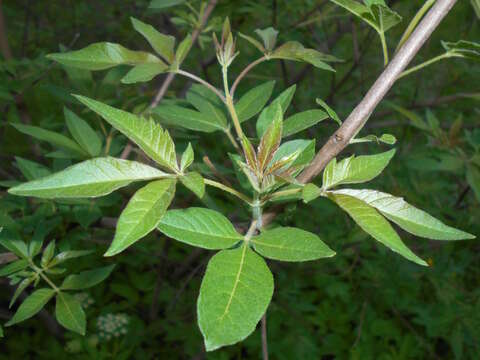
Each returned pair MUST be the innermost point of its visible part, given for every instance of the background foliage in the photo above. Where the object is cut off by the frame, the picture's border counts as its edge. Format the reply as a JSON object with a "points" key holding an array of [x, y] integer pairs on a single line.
{"points": [[365, 302]]}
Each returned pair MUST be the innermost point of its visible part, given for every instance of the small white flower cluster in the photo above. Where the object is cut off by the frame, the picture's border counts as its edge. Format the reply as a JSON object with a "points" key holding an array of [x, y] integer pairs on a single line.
{"points": [[84, 299], [112, 325]]}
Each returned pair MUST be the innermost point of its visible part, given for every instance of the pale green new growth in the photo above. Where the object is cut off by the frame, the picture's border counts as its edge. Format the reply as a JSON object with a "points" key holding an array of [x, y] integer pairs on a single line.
{"points": [[235, 293]]}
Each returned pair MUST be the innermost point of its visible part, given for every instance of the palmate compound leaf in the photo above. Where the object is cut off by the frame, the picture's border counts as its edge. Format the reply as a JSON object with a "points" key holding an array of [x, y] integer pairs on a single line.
{"points": [[91, 178], [291, 244], [147, 134], [69, 313], [234, 295], [406, 216], [374, 224], [31, 305], [142, 214], [200, 227], [355, 170], [103, 55]]}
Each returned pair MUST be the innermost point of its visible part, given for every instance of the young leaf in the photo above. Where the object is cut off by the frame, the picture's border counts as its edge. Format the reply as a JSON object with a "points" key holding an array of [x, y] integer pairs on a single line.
{"points": [[18, 247], [304, 148], [311, 192], [48, 253], [53, 138], [234, 295], [142, 214], [302, 120], [189, 119], [385, 138], [182, 52], [69, 313], [102, 56], [194, 182], [31, 305], [67, 255], [162, 44], [267, 114], [207, 107], [187, 158], [147, 134], [269, 37], [200, 227], [253, 101], [30, 169], [87, 279], [333, 115], [355, 170], [83, 134], [271, 139], [252, 41], [293, 50], [463, 48], [291, 244], [374, 224], [406, 216], [144, 73], [91, 178]]}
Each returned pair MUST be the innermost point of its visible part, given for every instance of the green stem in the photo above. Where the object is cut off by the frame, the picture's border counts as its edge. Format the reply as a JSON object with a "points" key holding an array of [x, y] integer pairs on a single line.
{"points": [[43, 276], [232, 140], [228, 189], [203, 82], [282, 193], [230, 105], [384, 48], [244, 72], [413, 24], [426, 63]]}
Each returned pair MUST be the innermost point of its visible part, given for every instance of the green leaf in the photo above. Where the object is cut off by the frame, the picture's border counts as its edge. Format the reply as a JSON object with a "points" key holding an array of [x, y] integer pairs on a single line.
{"points": [[200, 227], [333, 115], [194, 182], [207, 108], [67, 255], [189, 119], [30, 169], [463, 48], [162, 4], [302, 120], [293, 50], [20, 288], [374, 224], [142, 214], [267, 115], [69, 313], [1, 332], [162, 44], [87, 279], [147, 134], [234, 295], [48, 253], [268, 36], [271, 139], [291, 244], [385, 138], [253, 101], [473, 179], [355, 170], [91, 178], [374, 13], [182, 51], [83, 134], [311, 192], [31, 306], [304, 148], [252, 41], [144, 73], [406, 216], [51, 137], [102, 56], [415, 120], [13, 267], [187, 158], [18, 247]]}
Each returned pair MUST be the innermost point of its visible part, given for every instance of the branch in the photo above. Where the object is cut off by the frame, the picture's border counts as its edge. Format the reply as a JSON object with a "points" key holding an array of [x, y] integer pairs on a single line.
{"points": [[359, 116]]}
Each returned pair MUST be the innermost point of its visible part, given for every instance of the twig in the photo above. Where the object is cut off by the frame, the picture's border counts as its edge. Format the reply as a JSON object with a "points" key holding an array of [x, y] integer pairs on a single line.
{"points": [[215, 172], [264, 337]]}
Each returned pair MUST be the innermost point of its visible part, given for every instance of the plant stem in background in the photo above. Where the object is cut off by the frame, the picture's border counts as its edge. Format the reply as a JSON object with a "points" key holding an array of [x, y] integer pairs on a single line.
{"points": [[244, 72], [203, 82]]}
